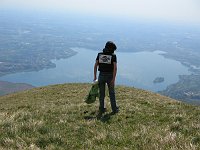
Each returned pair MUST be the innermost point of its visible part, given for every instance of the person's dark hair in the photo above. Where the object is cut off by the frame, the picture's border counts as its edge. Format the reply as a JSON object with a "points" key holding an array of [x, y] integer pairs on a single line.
{"points": [[111, 46]]}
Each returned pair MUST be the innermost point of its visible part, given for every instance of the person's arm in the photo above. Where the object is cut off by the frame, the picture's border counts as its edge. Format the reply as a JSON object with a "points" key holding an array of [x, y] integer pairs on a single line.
{"points": [[114, 72], [95, 69]]}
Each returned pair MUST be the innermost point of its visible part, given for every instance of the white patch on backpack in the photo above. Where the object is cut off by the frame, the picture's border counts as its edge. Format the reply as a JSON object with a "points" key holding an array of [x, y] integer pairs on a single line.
{"points": [[106, 59]]}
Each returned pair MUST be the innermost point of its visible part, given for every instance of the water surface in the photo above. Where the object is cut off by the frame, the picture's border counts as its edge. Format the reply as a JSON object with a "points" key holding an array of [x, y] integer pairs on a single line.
{"points": [[134, 69]]}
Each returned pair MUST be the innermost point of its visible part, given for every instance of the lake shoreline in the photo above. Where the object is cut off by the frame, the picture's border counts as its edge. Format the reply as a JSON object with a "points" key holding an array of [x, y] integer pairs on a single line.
{"points": [[134, 70]]}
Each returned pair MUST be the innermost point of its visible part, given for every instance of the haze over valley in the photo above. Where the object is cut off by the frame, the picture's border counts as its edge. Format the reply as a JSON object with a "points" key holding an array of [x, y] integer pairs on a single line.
{"points": [[32, 42]]}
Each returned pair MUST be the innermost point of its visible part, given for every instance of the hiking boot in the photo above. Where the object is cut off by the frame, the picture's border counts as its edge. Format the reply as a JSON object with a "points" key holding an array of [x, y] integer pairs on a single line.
{"points": [[115, 111], [102, 110]]}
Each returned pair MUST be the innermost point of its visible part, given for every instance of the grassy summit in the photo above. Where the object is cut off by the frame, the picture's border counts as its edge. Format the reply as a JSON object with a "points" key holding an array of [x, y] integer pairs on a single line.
{"points": [[56, 117]]}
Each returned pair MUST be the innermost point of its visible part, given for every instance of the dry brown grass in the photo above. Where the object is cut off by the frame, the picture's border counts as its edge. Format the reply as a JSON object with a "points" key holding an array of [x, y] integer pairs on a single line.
{"points": [[56, 117]]}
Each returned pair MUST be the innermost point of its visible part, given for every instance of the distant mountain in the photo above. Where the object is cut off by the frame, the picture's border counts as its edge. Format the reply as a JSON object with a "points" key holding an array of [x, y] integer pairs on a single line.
{"points": [[8, 87], [56, 117]]}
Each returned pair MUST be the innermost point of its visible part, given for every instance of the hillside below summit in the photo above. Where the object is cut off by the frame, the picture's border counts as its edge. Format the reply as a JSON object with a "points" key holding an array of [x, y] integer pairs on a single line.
{"points": [[56, 117]]}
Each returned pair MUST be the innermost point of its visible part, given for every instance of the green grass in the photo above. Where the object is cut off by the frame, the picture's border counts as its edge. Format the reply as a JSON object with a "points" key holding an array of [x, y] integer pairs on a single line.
{"points": [[56, 117]]}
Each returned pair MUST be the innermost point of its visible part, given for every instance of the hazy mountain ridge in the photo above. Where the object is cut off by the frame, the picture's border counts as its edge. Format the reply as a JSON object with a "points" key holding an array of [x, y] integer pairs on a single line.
{"points": [[56, 117], [8, 87]]}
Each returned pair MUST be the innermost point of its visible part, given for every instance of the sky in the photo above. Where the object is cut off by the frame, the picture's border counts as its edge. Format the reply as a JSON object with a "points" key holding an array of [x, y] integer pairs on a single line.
{"points": [[169, 10]]}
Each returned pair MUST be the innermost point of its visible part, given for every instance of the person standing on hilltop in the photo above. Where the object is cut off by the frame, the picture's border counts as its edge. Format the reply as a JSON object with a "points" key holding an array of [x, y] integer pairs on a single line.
{"points": [[106, 62]]}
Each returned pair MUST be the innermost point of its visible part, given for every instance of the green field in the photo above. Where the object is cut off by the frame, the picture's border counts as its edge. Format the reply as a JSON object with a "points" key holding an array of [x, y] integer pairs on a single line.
{"points": [[56, 117]]}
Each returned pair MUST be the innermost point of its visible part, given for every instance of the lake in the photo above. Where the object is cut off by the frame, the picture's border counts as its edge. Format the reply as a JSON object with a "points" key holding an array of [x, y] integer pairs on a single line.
{"points": [[134, 69]]}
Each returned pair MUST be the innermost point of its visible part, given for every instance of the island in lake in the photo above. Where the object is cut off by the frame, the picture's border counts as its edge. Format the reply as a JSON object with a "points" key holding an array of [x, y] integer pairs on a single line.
{"points": [[158, 80]]}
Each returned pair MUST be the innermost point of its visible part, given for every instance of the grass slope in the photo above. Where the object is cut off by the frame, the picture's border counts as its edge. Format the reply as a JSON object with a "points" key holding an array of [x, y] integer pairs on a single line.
{"points": [[56, 117]]}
